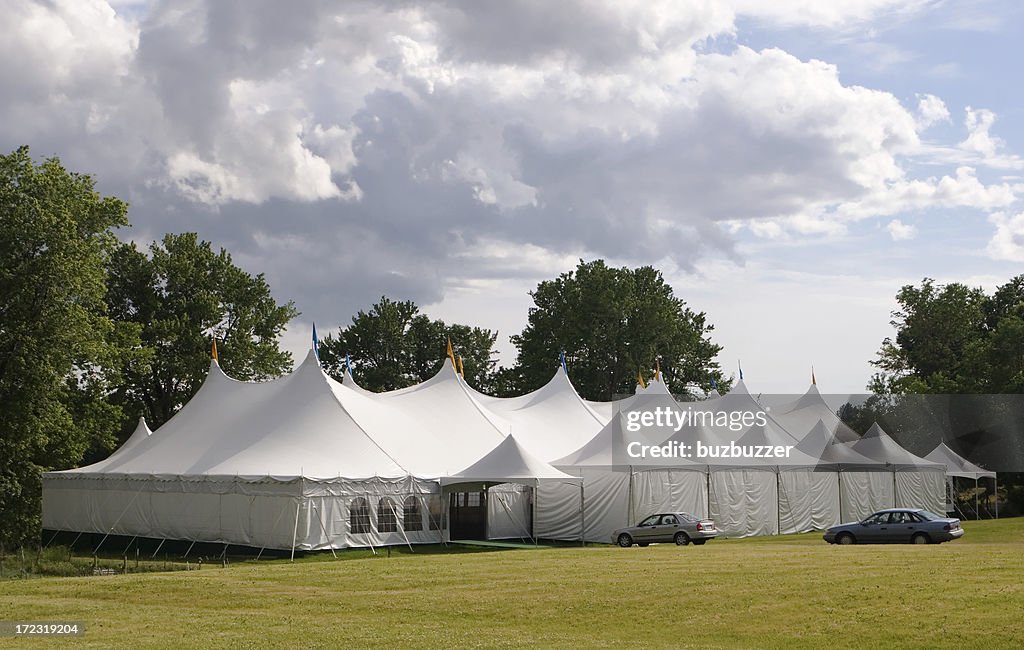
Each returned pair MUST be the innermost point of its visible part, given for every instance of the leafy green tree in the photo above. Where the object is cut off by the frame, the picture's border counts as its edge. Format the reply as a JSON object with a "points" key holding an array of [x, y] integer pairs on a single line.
{"points": [[181, 296], [57, 343], [393, 346], [613, 323]]}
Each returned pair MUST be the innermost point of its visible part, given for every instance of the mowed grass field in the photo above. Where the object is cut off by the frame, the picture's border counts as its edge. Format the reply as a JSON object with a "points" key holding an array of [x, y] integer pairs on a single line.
{"points": [[790, 591]]}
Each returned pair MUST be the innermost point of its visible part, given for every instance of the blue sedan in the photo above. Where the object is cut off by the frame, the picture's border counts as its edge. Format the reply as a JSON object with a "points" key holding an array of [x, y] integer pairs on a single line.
{"points": [[897, 526]]}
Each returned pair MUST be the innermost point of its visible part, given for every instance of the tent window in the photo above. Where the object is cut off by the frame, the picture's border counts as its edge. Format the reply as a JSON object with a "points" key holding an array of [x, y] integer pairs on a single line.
{"points": [[435, 511], [386, 520], [411, 517], [359, 517], [473, 499]]}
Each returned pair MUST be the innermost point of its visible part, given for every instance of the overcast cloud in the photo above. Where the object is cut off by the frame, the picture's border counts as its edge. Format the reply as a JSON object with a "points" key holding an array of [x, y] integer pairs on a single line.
{"points": [[455, 153]]}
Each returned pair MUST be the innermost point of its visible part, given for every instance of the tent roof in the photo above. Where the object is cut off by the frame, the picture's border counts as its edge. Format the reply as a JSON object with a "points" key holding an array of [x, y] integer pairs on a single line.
{"points": [[957, 465], [509, 462], [878, 445], [803, 414], [821, 442]]}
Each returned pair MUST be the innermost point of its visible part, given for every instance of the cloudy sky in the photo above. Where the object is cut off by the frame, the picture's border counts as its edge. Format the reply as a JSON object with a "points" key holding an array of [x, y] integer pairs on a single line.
{"points": [[787, 164]]}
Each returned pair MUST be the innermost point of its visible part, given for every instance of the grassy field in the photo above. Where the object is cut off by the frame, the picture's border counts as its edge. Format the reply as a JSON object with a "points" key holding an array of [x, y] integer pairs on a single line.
{"points": [[791, 591]]}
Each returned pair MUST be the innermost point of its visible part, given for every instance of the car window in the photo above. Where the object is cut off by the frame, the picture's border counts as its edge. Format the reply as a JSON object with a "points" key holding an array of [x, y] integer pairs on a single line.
{"points": [[898, 518], [913, 518], [668, 519], [650, 521]]}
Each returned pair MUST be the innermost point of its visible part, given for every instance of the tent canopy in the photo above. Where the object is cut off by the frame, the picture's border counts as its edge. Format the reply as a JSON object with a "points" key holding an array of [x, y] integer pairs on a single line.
{"points": [[957, 465], [509, 463]]}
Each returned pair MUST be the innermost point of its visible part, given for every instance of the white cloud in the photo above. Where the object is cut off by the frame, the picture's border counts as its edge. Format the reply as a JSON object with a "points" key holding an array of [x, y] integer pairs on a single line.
{"points": [[978, 123], [1007, 242], [930, 111], [900, 231]]}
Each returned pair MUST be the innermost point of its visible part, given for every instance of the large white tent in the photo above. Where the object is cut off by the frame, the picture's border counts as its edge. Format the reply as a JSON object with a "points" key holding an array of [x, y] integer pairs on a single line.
{"points": [[959, 467], [308, 462]]}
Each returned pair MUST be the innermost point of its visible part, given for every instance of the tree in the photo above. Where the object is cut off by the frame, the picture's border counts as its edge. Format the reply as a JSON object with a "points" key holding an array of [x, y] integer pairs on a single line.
{"points": [[393, 346], [56, 340], [182, 296], [954, 339], [613, 323]]}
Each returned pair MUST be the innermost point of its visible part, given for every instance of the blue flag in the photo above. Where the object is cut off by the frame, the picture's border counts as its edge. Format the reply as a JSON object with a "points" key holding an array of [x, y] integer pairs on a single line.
{"points": [[740, 365], [561, 360], [316, 343], [714, 384], [348, 364]]}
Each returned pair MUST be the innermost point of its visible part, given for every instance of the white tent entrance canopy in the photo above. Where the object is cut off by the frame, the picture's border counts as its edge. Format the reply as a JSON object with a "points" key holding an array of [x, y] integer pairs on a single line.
{"points": [[506, 465]]}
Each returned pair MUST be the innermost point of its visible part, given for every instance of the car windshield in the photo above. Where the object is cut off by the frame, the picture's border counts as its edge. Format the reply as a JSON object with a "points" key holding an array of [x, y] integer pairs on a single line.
{"points": [[928, 516]]}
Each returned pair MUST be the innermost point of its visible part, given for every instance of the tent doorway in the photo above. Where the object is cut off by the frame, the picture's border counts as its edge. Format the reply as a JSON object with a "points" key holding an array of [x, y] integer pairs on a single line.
{"points": [[468, 515]]}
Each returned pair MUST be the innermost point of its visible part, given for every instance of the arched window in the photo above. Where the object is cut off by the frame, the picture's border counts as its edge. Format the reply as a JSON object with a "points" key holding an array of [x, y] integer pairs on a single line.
{"points": [[387, 522], [359, 517], [412, 519]]}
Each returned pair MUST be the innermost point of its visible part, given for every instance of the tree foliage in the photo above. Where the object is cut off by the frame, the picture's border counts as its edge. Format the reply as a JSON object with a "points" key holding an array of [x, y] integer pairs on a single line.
{"points": [[182, 295], [613, 323], [393, 346], [954, 339], [57, 344]]}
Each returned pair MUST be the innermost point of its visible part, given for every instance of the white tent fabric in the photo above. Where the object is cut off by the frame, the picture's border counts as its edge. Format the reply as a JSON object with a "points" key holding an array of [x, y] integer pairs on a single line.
{"points": [[804, 413], [957, 465], [307, 462]]}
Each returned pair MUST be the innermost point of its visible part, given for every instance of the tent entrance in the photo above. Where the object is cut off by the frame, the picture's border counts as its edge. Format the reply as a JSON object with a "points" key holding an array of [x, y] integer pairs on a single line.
{"points": [[467, 512]]}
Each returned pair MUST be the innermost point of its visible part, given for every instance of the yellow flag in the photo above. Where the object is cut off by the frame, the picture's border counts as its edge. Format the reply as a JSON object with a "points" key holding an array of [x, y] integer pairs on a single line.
{"points": [[462, 371], [657, 372], [640, 379], [213, 350], [451, 355], [813, 380]]}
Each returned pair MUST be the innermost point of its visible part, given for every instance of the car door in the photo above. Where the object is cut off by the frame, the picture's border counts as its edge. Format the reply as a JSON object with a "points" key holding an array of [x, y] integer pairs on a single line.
{"points": [[903, 526], [873, 528], [667, 529], [647, 529]]}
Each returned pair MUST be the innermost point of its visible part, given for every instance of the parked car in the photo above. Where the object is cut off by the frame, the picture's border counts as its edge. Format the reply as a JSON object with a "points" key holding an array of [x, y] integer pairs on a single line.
{"points": [[897, 526], [679, 527]]}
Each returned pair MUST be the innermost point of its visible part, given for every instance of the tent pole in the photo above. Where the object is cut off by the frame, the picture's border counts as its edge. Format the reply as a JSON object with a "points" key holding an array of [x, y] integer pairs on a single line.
{"points": [[708, 477], [894, 489], [533, 515], [996, 479], [159, 546], [778, 502], [295, 528], [977, 507], [839, 481], [583, 522], [402, 527], [630, 515], [324, 528]]}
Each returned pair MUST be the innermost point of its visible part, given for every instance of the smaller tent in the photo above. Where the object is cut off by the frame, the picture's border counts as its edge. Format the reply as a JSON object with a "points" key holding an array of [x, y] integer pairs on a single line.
{"points": [[959, 467], [510, 463]]}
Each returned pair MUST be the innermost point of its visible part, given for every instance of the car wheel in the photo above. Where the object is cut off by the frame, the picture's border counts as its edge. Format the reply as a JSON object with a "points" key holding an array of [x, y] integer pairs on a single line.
{"points": [[920, 538], [845, 539], [625, 541], [682, 539], [699, 542]]}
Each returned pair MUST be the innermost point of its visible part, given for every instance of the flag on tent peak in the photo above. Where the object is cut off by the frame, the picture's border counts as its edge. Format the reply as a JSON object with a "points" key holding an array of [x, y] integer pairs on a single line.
{"points": [[814, 381], [316, 343], [640, 379], [451, 354], [462, 370], [657, 370], [714, 384], [348, 363], [561, 361], [740, 366], [213, 350]]}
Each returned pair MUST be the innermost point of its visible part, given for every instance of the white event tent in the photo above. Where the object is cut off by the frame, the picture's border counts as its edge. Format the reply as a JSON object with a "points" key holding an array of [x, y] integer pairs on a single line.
{"points": [[306, 462]]}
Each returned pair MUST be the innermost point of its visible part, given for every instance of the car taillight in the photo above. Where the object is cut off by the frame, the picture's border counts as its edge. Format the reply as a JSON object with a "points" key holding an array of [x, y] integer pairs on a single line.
{"points": [[700, 526]]}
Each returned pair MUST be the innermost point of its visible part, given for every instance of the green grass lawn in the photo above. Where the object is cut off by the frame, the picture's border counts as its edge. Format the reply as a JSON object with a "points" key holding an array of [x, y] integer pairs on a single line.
{"points": [[791, 591]]}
